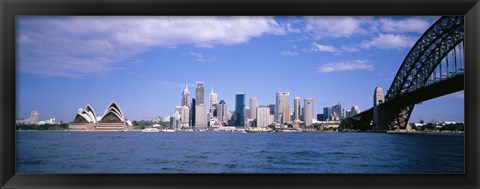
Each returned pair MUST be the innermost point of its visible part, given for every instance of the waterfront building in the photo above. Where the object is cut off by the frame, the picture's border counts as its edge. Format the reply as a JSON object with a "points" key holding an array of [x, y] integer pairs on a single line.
{"points": [[296, 109], [240, 109], [222, 113], [200, 93], [166, 119], [112, 119], [320, 117], [185, 95], [192, 113], [263, 116], [212, 102], [253, 108], [34, 117], [200, 117], [272, 109], [178, 108], [337, 109], [326, 113], [175, 121], [247, 113], [353, 111], [185, 116], [308, 115], [282, 107]]}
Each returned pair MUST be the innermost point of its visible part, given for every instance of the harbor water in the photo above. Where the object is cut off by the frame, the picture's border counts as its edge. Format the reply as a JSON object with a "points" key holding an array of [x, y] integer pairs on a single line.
{"points": [[234, 152]]}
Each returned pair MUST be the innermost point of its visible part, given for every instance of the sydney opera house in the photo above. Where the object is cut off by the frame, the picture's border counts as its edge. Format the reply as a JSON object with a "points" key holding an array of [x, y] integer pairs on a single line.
{"points": [[111, 120]]}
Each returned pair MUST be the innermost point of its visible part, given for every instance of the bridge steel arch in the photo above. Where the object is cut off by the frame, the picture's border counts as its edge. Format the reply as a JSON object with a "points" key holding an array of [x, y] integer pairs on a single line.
{"points": [[419, 64]]}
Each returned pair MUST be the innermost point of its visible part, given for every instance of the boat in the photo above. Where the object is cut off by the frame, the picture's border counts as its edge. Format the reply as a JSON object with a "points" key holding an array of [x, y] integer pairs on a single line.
{"points": [[258, 130], [168, 130], [150, 130]]}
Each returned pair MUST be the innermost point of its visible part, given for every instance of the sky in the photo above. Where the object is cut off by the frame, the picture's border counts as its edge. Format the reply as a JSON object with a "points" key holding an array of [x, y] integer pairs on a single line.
{"points": [[142, 63]]}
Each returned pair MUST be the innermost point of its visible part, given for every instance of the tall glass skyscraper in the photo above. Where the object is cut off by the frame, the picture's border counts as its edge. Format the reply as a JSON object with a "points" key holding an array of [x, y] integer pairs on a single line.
{"points": [[296, 109], [308, 115], [253, 108], [240, 109], [200, 93], [282, 106]]}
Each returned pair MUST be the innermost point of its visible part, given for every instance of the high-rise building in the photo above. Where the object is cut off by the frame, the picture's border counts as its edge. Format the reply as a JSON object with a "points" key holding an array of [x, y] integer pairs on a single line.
{"points": [[296, 109], [222, 113], [282, 107], [212, 101], [240, 110], [263, 116], [320, 117], [175, 122], [185, 116], [272, 109], [185, 94], [337, 109], [34, 117], [308, 116], [192, 113], [201, 117], [200, 93], [326, 113], [253, 108]]}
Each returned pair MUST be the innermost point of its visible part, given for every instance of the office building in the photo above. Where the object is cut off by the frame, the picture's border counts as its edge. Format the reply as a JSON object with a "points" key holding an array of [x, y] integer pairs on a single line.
{"points": [[296, 109], [239, 110], [308, 115], [200, 93], [272, 109], [185, 95], [185, 116], [282, 107], [326, 113], [263, 116], [212, 102], [201, 117], [222, 113], [337, 109], [192, 113], [253, 108], [320, 117]]}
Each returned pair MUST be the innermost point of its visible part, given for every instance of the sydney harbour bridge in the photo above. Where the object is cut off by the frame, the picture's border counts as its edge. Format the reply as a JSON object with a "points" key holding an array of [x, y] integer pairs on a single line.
{"points": [[433, 67]]}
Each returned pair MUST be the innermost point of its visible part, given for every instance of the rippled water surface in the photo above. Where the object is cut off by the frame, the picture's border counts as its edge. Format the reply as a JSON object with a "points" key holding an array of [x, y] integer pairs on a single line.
{"points": [[223, 152]]}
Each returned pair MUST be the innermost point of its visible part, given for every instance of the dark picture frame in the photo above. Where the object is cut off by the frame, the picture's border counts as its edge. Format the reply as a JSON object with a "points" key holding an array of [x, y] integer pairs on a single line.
{"points": [[9, 9]]}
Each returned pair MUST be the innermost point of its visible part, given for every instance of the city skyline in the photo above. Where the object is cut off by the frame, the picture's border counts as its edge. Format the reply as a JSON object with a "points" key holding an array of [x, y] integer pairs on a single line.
{"points": [[145, 73]]}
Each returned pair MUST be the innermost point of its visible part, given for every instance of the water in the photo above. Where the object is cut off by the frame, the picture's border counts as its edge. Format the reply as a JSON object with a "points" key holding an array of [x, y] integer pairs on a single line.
{"points": [[224, 152]]}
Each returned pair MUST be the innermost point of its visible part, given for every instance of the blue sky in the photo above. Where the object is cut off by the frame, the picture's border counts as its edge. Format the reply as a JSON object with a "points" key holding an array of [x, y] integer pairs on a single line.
{"points": [[64, 63]]}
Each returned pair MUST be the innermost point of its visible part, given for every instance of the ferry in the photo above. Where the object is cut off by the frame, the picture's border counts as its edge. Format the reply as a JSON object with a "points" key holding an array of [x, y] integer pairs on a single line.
{"points": [[258, 130], [168, 130], [150, 130]]}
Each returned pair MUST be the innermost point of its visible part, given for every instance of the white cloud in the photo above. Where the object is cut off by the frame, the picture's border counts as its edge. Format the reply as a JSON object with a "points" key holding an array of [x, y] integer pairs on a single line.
{"points": [[388, 41], [350, 48], [352, 65], [410, 24], [289, 53], [200, 57], [337, 26], [316, 47], [79, 46]]}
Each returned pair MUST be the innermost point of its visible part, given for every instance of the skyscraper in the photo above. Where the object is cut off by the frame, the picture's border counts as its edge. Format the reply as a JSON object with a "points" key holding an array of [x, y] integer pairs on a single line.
{"points": [[296, 109], [222, 112], [282, 107], [326, 113], [200, 117], [200, 93], [240, 109], [34, 117], [185, 116], [253, 108], [337, 109], [308, 104], [185, 94], [192, 113], [353, 111], [263, 116], [212, 101]]}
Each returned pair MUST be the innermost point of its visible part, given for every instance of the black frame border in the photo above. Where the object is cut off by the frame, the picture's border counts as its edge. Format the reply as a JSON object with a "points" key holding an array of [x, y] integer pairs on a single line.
{"points": [[11, 8]]}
